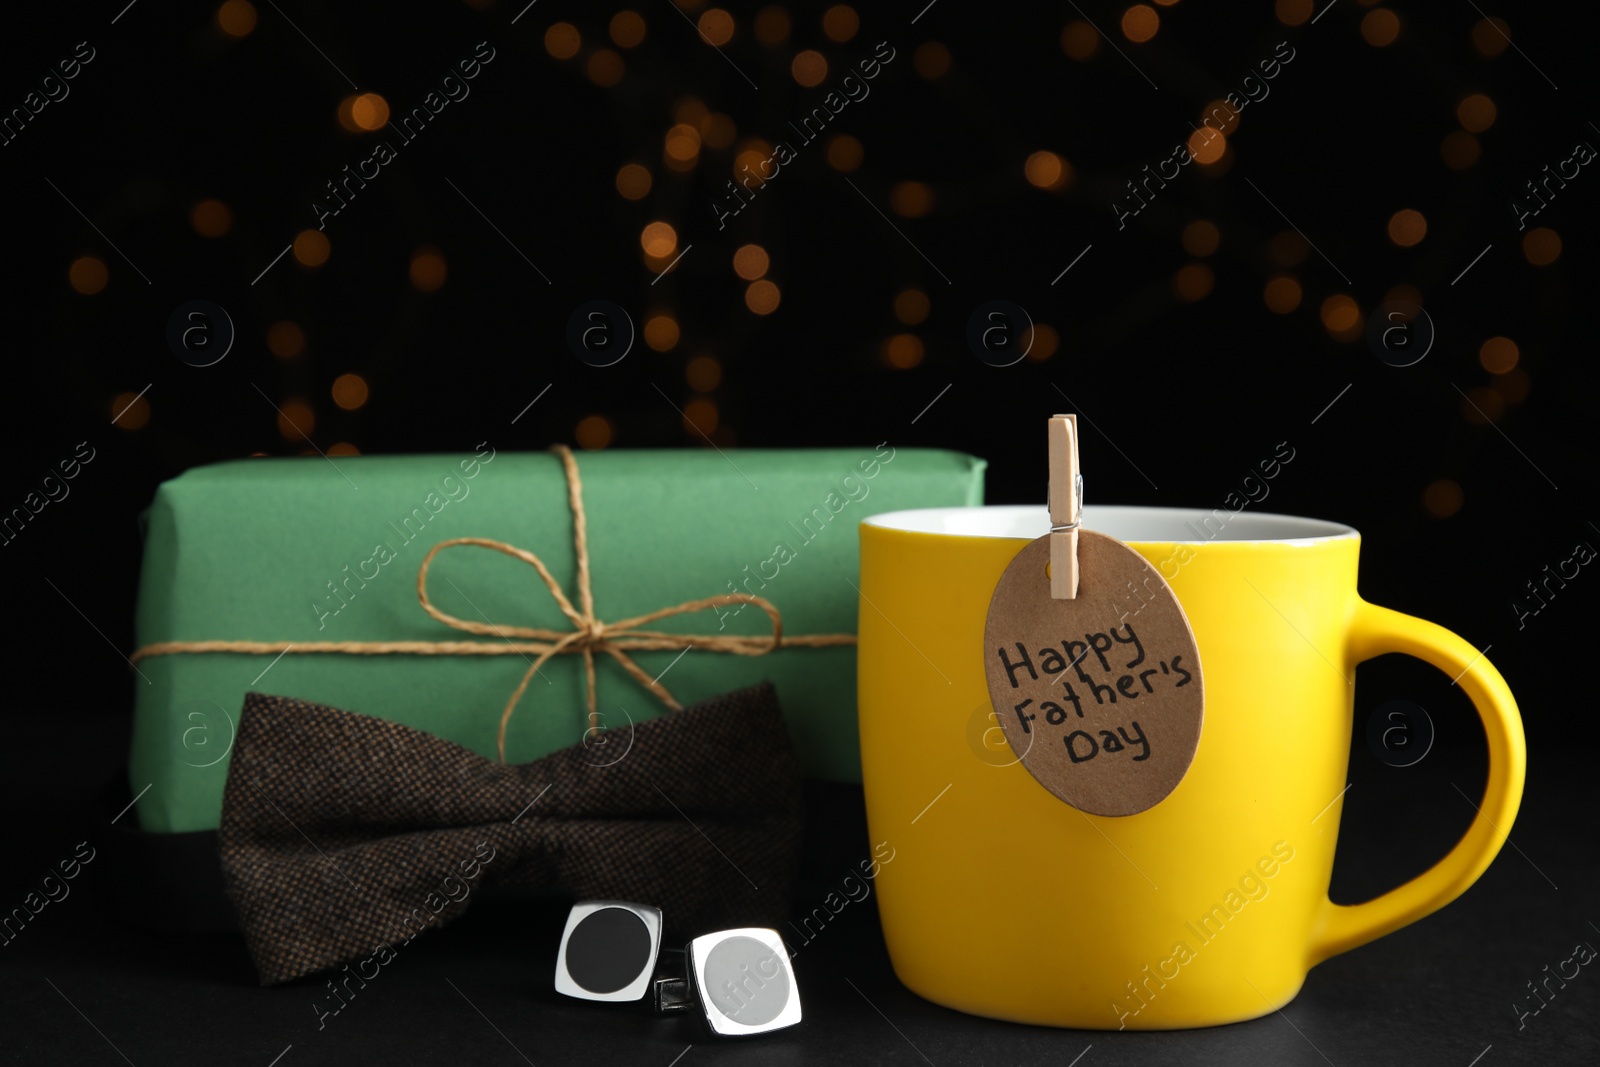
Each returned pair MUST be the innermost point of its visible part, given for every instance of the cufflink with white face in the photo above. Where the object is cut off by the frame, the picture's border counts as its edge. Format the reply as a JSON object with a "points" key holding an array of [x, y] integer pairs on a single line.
{"points": [[608, 950], [738, 981]]}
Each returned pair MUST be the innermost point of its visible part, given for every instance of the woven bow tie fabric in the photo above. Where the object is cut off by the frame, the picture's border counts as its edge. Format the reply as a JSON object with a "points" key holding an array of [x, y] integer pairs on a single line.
{"points": [[343, 834]]}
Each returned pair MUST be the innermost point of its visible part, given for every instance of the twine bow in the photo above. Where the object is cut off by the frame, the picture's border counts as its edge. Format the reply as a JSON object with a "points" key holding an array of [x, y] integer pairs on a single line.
{"points": [[588, 635]]}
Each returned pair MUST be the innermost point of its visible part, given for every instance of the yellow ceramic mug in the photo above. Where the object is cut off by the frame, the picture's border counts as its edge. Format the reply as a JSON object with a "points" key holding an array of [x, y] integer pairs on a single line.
{"points": [[1209, 907]]}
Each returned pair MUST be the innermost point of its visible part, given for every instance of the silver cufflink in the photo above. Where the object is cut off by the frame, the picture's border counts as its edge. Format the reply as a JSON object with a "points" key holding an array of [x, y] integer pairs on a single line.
{"points": [[739, 982], [608, 950]]}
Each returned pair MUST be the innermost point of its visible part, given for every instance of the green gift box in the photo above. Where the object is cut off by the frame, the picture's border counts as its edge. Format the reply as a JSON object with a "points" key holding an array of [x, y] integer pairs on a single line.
{"points": [[286, 557]]}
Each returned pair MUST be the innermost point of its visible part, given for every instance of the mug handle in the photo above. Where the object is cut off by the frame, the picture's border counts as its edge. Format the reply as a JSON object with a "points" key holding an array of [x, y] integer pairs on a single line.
{"points": [[1374, 631]]}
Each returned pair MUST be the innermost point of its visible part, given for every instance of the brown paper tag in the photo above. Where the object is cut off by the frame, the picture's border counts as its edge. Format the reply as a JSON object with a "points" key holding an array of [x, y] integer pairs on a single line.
{"points": [[1102, 705]]}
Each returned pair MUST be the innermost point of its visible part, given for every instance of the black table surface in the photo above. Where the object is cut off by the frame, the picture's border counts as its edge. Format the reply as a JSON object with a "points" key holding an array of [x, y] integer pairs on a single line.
{"points": [[80, 984]]}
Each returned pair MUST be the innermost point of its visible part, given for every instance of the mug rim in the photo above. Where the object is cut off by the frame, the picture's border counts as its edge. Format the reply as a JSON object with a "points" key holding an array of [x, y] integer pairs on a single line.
{"points": [[1025, 522]]}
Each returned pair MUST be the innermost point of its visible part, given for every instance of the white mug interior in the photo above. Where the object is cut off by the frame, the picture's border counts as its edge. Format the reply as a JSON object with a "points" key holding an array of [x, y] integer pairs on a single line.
{"points": [[1125, 523]]}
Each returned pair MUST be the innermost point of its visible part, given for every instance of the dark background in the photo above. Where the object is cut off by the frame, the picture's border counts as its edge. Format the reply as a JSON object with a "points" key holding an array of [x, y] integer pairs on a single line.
{"points": [[1465, 483]]}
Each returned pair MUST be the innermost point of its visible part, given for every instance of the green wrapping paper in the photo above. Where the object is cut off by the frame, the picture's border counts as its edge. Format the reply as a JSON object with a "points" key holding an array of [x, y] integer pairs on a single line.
{"points": [[297, 550]]}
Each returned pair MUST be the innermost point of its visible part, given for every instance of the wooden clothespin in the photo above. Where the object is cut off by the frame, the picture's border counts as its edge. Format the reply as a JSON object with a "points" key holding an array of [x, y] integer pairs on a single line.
{"points": [[1066, 504]]}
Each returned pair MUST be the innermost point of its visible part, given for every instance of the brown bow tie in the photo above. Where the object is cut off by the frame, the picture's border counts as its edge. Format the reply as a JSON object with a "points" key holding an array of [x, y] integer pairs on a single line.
{"points": [[343, 835]]}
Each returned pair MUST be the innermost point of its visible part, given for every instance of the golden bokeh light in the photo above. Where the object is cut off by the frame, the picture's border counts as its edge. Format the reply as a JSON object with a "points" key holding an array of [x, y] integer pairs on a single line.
{"points": [[682, 146], [343, 448], [716, 26], [1442, 498], [605, 68], [88, 275], [1194, 281], [130, 410], [562, 40], [661, 332], [903, 351], [1498, 355], [1482, 406], [1459, 150], [428, 269], [1046, 170], [1282, 294], [237, 18], [750, 262], [211, 218], [932, 60], [627, 29], [296, 420], [748, 159], [350, 391], [633, 181], [809, 68], [659, 240], [747, 165], [1293, 12], [1040, 341], [1491, 36], [1341, 317], [772, 26], [1080, 41], [911, 200], [1541, 246], [1476, 113], [703, 373], [1380, 27], [311, 248], [845, 153], [718, 130], [1407, 227], [367, 112], [285, 339], [700, 415], [1288, 248], [1207, 145], [593, 432], [762, 297], [1140, 23], [840, 23], [911, 306], [1200, 238]]}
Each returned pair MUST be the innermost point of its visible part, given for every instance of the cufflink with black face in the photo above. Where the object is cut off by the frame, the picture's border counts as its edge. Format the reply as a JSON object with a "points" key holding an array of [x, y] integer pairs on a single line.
{"points": [[608, 950], [739, 982]]}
